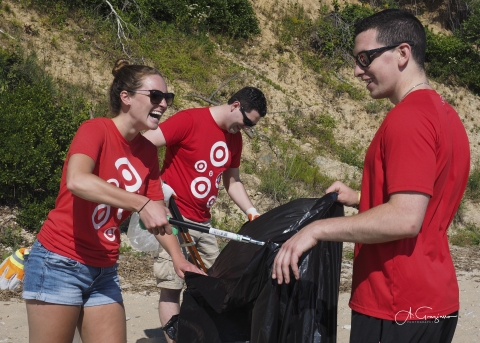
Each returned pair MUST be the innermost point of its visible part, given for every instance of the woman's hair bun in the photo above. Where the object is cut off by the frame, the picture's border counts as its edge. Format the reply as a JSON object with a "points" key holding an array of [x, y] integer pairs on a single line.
{"points": [[119, 64]]}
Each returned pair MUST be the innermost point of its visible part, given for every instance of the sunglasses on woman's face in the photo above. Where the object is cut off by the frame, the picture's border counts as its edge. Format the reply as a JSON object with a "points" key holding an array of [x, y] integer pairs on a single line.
{"points": [[156, 96], [365, 58], [246, 120]]}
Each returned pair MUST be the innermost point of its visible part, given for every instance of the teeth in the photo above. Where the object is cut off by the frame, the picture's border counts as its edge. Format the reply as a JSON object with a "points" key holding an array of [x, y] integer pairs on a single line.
{"points": [[156, 114]]}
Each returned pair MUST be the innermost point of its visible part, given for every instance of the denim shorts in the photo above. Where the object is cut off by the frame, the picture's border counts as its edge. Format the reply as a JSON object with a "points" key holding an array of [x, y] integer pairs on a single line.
{"points": [[56, 279]]}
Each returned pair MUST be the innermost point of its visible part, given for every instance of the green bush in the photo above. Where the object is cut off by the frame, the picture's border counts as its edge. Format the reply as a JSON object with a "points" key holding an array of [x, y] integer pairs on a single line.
{"points": [[469, 235], [452, 60], [470, 28], [11, 237], [233, 18], [37, 124], [473, 185], [333, 36]]}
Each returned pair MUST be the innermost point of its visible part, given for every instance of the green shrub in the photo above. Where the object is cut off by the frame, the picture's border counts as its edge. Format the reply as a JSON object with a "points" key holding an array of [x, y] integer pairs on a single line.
{"points": [[333, 36], [233, 18], [11, 237], [452, 60], [470, 28], [473, 185], [469, 235], [37, 124]]}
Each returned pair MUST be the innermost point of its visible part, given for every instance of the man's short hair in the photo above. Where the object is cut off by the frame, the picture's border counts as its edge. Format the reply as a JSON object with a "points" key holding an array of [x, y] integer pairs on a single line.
{"points": [[251, 99], [397, 26]]}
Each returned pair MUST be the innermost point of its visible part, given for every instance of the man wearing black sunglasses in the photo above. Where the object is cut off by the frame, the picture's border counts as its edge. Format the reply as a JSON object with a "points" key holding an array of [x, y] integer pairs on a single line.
{"points": [[404, 286], [204, 146]]}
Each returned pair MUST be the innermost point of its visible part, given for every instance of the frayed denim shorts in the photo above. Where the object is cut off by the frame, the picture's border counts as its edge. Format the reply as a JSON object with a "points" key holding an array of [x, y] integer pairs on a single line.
{"points": [[56, 279]]}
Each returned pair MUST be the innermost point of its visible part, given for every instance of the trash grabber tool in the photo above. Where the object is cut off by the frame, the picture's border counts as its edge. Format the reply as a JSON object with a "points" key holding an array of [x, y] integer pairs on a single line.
{"points": [[214, 231], [185, 236]]}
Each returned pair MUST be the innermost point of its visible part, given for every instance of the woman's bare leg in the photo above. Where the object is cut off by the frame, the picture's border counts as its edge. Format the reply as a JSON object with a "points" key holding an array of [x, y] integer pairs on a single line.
{"points": [[51, 323], [103, 323]]}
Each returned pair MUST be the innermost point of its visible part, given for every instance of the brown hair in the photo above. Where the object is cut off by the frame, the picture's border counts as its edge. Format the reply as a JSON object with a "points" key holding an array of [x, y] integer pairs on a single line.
{"points": [[127, 77]]}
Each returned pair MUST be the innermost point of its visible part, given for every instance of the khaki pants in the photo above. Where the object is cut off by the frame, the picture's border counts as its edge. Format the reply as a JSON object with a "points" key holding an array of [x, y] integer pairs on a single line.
{"points": [[163, 266]]}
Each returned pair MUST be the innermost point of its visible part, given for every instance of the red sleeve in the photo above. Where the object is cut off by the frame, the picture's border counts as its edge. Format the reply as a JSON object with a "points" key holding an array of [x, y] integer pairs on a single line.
{"points": [[89, 139], [176, 128], [409, 148]]}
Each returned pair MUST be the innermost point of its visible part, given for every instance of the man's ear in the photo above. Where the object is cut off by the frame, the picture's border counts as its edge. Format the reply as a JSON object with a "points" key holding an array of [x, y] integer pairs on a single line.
{"points": [[405, 54], [234, 105], [125, 97]]}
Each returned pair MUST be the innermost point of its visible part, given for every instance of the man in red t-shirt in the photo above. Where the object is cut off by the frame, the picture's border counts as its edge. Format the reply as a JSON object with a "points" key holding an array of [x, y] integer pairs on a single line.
{"points": [[416, 169], [204, 146]]}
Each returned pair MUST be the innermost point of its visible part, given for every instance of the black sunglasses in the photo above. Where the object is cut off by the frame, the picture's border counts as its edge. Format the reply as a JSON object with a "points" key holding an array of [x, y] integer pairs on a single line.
{"points": [[365, 58], [156, 96], [246, 120]]}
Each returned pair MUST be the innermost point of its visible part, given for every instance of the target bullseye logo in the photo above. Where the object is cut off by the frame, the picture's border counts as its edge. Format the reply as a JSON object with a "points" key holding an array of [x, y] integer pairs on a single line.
{"points": [[219, 154], [211, 201], [200, 187], [130, 175], [201, 166], [100, 215], [110, 233]]}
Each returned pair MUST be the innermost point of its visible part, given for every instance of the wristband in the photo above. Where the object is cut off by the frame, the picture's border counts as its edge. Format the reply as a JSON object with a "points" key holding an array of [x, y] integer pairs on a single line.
{"points": [[144, 206], [359, 196]]}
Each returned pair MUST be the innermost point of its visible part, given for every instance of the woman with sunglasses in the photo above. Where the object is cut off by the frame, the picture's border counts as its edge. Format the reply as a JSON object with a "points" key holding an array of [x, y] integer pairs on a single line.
{"points": [[110, 171]]}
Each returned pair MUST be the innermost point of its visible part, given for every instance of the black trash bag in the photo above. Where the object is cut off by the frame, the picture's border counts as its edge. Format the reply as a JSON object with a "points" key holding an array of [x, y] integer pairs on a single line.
{"points": [[239, 302]]}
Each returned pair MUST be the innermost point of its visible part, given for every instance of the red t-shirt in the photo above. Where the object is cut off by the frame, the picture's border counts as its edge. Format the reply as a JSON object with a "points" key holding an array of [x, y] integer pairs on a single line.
{"points": [[198, 151], [86, 231], [421, 146]]}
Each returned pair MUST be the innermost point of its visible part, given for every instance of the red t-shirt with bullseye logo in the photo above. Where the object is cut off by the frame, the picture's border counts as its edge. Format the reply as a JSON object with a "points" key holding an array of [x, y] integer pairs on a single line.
{"points": [[89, 232], [198, 151]]}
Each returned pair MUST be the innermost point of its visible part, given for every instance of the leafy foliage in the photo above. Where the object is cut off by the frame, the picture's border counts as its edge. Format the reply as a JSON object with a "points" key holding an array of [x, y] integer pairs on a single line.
{"points": [[469, 235], [473, 185], [452, 60], [37, 124], [470, 27], [233, 18]]}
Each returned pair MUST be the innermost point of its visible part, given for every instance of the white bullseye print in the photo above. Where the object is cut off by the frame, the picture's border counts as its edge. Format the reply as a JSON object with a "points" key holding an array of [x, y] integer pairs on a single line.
{"points": [[131, 177], [110, 233], [120, 210], [211, 201], [114, 181], [200, 187], [210, 173], [201, 166], [127, 175], [100, 215], [219, 154]]}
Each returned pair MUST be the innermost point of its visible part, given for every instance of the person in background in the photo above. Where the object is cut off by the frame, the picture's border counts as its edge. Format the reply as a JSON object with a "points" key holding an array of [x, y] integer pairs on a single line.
{"points": [[204, 146], [110, 171], [404, 286]]}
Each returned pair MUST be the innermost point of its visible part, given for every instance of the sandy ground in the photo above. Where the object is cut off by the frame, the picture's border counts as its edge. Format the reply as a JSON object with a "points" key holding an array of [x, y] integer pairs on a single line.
{"points": [[143, 324]]}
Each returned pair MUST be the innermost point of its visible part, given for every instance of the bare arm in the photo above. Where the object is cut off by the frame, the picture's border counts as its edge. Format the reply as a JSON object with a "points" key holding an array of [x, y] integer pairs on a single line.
{"points": [[401, 217], [84, 184], [156, 137], [180, 264], [235, 188]]}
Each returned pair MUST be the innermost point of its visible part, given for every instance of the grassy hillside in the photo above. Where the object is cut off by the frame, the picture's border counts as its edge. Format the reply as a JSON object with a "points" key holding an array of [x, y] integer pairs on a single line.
{"points": [[320, 118]]}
